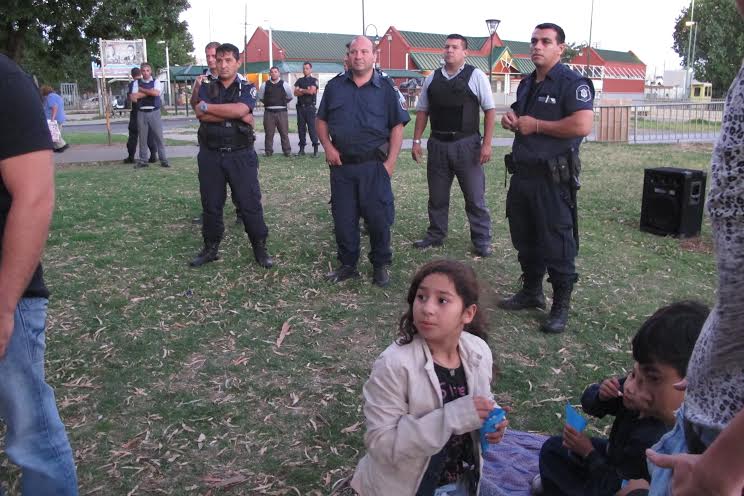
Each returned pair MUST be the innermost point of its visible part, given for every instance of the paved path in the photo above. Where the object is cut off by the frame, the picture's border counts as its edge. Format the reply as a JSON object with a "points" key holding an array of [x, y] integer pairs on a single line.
{"points": [[118, 151]]}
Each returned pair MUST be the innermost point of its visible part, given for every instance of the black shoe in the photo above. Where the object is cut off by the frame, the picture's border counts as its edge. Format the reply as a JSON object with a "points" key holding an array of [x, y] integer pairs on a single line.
{"points": [[558, 317], [483, 251], [140, 165], [261, 255], [530, 296], [268, 154], [61, 149], [164, 164], [152, 159], [381, 276], [198, 220], [301, 152], [128, 160], [427, 242], [209, 253], [342, 273], [287, 154], [315, 151]]}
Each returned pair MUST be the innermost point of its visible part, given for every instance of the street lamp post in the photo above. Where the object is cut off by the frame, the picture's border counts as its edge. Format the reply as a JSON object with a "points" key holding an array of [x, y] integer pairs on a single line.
{"points": [[493, 25], [376, 40], [167, 69], [690, 23], [693, 25]]}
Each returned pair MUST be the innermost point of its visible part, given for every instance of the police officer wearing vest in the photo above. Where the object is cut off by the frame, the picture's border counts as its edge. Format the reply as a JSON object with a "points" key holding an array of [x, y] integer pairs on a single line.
{"points": [[360, 124], [226, 155], [552, 114], [146, 94], [453, 97], [275, 95], [306, 91]]}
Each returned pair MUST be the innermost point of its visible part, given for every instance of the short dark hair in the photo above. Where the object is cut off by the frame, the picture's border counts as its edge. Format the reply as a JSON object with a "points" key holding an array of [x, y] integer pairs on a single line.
{"points": [[455, 36], [136, 72], [212, 44], [229, 48], [466, 286], [274, 67], [307, 63], [669, 335], [145, 64], [560, 36]]}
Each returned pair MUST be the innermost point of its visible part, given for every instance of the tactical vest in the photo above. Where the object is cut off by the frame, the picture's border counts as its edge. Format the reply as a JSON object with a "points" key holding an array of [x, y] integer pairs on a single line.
{"points": [[148, 101], [308, 81], [232, 133], [453, 107], [274, 94]]}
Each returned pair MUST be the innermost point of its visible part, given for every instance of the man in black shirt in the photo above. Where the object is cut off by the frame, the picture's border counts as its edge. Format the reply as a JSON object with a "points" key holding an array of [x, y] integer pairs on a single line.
{"points": [[37, 442], [306, 90]]}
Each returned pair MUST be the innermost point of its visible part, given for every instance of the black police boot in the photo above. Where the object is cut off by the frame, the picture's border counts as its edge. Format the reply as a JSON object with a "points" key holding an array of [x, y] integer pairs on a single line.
{"points": [[209, 253], [342, 273], [530, 296], [153, 158], [261, 255], [128, 160], [558, 318], [381, 276], [427, 242], [315, 151], [301, 152]]}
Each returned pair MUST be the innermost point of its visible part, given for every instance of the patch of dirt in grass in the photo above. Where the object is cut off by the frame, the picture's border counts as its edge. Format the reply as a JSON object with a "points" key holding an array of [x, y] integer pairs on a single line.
{"points": [[696, 245], [695, 147]]}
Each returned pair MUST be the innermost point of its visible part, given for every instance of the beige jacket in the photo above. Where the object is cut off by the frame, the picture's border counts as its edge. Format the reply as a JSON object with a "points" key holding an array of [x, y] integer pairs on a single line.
{"points": [[407, 423]]}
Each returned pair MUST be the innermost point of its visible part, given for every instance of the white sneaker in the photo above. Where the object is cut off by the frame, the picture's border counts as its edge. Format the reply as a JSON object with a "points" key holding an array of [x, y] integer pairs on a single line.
{"points": [[536, 486]]}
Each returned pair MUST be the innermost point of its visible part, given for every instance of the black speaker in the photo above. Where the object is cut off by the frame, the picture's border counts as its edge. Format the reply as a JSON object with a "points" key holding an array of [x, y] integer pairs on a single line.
{"points": [[673, 201]]}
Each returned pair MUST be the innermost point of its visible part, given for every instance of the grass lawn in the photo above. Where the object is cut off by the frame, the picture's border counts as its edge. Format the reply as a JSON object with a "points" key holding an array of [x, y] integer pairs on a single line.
{"points": [[82, 138], [170, 379]]}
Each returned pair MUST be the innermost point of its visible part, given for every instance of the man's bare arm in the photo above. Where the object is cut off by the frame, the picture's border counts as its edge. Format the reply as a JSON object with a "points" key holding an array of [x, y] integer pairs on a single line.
{"points": [[29, 179]]}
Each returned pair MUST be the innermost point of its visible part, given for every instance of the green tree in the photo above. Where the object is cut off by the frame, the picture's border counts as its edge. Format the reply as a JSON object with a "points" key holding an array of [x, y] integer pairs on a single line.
{"points": [[58, 40], [719, 45], [571, 51]]}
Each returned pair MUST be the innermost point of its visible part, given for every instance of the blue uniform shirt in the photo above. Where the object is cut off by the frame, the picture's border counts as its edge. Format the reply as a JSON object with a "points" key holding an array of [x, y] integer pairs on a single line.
{"points": [[247, 92], [360, 118], [559, 95]]}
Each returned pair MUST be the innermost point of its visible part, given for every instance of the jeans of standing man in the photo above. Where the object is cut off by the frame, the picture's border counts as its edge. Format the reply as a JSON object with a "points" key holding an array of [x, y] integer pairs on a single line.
{"points": [[134, 134], [35, 437]]}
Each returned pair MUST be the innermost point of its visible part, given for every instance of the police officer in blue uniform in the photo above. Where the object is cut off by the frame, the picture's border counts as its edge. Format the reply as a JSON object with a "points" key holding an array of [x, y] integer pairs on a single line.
{"points": [[226, 155], [360, 124], [553, 112], [306, 91]]}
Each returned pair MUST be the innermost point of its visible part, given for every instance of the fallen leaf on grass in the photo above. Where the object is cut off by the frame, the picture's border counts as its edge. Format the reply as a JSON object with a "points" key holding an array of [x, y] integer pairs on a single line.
{"points": [[283, 333], [351, 428], [223, 483]]}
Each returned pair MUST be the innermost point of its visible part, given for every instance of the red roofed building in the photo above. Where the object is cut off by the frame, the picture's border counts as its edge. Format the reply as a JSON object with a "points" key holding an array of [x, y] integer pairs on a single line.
{"points": [[616, 75]]}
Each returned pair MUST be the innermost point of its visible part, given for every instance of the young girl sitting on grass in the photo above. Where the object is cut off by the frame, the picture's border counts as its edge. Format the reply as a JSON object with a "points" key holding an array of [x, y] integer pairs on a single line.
{"points": [[429, 393]]}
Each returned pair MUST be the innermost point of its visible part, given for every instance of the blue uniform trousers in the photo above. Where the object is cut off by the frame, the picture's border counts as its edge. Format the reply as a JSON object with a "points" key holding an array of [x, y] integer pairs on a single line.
{"points": [[563, 473], [541, 224], [460, 158], [306, 124], [362, 190], [240, 170]]}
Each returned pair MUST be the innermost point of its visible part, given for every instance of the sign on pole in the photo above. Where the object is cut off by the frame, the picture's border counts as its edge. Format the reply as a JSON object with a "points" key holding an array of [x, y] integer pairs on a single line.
{"points": [[118, 57]]}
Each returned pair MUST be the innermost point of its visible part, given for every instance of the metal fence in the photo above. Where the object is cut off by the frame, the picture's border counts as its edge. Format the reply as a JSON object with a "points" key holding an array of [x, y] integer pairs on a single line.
{"points": [[657, 122]]}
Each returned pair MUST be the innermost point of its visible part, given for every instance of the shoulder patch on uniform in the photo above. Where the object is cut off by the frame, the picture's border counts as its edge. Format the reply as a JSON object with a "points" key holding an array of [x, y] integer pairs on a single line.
{"points": [[253, 92], [401, 99], [583, 93]]}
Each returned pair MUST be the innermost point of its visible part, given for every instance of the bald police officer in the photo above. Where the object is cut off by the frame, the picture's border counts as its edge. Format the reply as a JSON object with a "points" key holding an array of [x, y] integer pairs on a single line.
{"points": [[360, 125], [553, 112], [226, 155], [453, 98]]}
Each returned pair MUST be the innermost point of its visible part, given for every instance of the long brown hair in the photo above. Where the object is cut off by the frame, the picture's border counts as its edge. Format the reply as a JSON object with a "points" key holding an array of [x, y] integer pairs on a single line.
{"points": [[466, 287]]}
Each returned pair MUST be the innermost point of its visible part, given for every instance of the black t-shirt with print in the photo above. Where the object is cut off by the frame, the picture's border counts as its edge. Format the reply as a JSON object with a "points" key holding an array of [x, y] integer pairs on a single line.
{"points": [[23, 129], [459, 457]]}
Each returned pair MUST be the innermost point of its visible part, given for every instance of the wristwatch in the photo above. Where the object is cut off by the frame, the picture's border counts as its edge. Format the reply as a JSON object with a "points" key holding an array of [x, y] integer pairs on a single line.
{"points": [[417, 142], [203, 106]]}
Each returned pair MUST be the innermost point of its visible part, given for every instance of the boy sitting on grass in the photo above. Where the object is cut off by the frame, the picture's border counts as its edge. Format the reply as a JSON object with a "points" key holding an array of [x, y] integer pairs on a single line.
{"points": [[643, 404]]}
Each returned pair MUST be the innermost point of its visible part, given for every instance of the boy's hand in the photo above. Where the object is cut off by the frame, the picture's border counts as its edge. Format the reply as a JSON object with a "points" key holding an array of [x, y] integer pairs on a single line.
{"points": [[576, 441], [610, 389], [498, 435]]}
